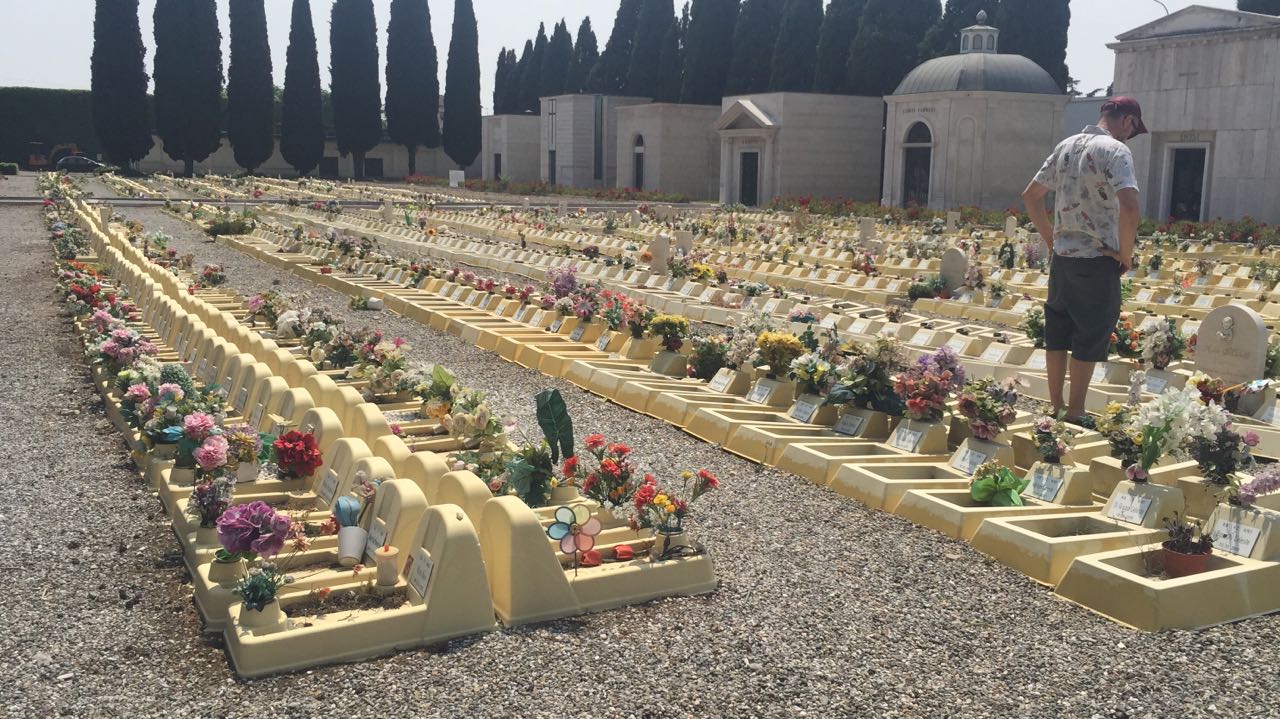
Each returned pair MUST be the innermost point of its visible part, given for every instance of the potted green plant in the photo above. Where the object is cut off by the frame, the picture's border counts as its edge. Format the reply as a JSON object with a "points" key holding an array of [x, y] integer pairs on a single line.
{"points": [[1187, 550]]}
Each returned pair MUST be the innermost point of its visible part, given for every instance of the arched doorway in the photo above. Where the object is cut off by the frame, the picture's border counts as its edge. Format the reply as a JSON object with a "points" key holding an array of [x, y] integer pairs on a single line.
{"points": [[917, 161], [637, 160]]}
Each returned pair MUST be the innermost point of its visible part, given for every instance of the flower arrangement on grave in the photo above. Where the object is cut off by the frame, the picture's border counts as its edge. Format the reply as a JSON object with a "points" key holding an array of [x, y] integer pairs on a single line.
{"points": [[753, 289], [212, 276], [382, 365], [1163, 344], [259, 586], [473, 423], [437, 389], [1272, 370], [296, 455], [701, 271], [1221, 454], [1266, 480], [209, 499], [988, 406], [926, 385], [708, 356], [1114, 424], [603, 473], [664, 508], [122, 347], [253, 530], [244, 444], [742, 343], [1033, 326], [802, 315], [812, 372], [1210, 389], [268, 305], [1006, 255], [562, 281], [776, 350], [995, 485], [591, 251], [865, 379], [1052, 439], [1126, 340], [1164, 427], [671, 330], [973, 277]]}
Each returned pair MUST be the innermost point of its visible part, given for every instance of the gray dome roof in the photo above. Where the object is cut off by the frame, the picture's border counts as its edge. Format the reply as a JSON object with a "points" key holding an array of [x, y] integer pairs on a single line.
{"points": [[978, 71]]}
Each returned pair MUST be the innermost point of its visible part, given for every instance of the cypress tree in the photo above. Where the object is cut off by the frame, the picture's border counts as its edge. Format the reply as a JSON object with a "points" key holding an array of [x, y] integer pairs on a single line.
{"points": [[839, 26], [585, 55], [609, 76], [119, 82], [1037, 29], [519, 96], [708, 49], [796, 50], [531, 78], [884, 50], [462, 88], [188, 75], [754, 36], [944, 37], [555, 64], [353, 70], [301, 106], [413, 86], [643, 75], [501, 80], [1266, 7], [250, 95], [670, 65]]}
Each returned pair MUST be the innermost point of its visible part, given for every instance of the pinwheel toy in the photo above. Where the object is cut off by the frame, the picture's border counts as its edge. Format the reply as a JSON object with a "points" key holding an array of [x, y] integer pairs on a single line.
{"points": [[575, 529]]}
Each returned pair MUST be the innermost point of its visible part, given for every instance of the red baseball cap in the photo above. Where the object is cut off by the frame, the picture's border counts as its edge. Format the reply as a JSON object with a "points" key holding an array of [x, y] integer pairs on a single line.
{"points": [[1126, 105]]}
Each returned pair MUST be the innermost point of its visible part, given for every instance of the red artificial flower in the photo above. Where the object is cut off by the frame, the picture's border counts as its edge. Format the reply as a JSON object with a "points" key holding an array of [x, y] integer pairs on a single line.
{"points": [[710, 479], [645, 493], [570, 466], [619, 449], [298, 454], [594, 441]]}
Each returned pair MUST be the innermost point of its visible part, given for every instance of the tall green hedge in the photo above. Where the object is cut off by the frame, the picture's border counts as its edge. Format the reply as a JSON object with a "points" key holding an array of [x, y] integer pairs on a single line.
{"points": [[33, 114]]}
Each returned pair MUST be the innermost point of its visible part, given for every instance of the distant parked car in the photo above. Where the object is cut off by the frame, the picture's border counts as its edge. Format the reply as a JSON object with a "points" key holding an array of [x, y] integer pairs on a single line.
{"points": [[78, 163]]}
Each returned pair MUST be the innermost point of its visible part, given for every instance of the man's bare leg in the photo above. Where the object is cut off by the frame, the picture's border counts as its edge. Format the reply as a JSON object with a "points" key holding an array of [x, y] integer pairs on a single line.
{"points": [[1081, 376], [1056, 366]]}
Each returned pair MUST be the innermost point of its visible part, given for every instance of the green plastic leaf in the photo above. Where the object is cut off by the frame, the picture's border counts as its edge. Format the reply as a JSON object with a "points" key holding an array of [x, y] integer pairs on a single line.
{"points": [[557, 427], [1003, 489]]}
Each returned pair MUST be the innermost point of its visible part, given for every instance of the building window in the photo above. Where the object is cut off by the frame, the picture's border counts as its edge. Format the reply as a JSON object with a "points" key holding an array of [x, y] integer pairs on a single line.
{"points": [[551, 124], [964, 44], [637, 160], [497, 165], [977, 43], [991, 43]]}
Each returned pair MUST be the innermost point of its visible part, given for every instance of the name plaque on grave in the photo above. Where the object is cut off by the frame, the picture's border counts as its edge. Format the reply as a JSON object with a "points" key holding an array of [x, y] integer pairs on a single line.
{"points": [[1046, 480], [849, 425], [1235, 537], [906, 439], [1129, 508]]}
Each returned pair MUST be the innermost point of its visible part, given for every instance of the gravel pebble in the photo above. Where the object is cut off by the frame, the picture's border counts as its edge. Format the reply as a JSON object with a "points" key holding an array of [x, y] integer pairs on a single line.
{"points": [[825, 608]]}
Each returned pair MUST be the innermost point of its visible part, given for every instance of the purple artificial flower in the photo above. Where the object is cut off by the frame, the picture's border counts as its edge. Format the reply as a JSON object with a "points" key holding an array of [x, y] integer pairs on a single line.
{"points": [[212, 454], [253, 528]]}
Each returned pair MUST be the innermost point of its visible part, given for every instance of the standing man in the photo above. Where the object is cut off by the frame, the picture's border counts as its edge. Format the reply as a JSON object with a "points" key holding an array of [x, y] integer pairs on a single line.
{"points": [[1090, 244]]}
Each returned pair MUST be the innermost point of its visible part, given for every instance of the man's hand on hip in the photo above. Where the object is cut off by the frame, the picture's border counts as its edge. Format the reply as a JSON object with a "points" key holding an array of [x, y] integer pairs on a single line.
{"points": [[1124, 259]]}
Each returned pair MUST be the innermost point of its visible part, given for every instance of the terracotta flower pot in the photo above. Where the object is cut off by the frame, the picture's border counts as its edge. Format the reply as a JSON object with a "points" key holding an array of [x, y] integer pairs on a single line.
{"points": [[1177, 564]]}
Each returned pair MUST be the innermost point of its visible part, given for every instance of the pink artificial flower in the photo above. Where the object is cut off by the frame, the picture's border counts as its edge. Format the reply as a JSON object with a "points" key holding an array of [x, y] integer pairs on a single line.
{"points": [[197, 426], [138, 393], [170, 391], [212, 454], [1251, 439], [1136, 473]]}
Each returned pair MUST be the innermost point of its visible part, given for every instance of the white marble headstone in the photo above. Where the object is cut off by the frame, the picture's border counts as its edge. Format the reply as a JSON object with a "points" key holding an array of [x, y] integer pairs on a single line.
{"points": [[953, 221], [660, 249], [954, 265], [1232, 344], [866, 228]]}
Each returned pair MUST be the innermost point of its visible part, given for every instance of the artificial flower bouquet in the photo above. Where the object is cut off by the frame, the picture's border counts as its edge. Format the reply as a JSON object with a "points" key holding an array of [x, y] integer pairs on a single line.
{"points": [[995, 485], [1163, 344], [1052, 439], [1126, 340], [708, 356], [776, 350], [927, 384], [1165, 426], [437, 389], [812, 372], [664, 507], [296, 455], [988, 406], [865, 379], [671, 329]]}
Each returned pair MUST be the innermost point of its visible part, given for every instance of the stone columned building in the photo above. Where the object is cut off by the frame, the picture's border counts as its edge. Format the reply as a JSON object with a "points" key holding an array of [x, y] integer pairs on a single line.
{"points": [[970, 129]]}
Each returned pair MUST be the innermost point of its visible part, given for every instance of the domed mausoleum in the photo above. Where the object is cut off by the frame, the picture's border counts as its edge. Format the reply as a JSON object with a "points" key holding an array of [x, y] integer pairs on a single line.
{"points": [[972, 128]]}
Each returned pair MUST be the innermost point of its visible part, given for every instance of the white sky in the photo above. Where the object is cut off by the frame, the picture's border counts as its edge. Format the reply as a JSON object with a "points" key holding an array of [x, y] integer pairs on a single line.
{"points": [[47, 43]]}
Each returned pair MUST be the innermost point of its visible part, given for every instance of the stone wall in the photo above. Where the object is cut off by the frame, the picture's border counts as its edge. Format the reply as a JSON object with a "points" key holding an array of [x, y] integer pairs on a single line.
{"points": [[681, 150], [516, 138], [573, 128]]}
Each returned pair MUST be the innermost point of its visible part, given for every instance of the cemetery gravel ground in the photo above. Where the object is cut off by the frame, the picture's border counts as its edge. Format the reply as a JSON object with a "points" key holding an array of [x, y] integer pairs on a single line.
{"points": [[825, 609]]}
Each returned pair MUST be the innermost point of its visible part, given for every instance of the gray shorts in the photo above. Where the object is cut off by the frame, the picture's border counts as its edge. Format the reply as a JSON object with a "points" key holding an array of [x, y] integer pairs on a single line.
{"points": [[1083, 306]]}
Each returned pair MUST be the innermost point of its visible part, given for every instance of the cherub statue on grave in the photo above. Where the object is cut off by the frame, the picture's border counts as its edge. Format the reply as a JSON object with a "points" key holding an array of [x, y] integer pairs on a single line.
{"points": [[1137, 381]]}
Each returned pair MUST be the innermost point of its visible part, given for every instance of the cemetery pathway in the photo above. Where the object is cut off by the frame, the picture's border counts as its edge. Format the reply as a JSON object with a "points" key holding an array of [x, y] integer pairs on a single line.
{"points": [[825, 609]]}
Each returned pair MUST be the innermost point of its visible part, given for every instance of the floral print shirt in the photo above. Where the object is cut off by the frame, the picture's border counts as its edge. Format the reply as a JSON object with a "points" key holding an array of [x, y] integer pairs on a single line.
{"points": [[1085, 172]]}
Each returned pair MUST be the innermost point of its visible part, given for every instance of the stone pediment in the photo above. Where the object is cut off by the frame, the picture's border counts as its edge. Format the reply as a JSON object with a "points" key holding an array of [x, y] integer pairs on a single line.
{"points": [[744, 115], [1197, 20]]}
